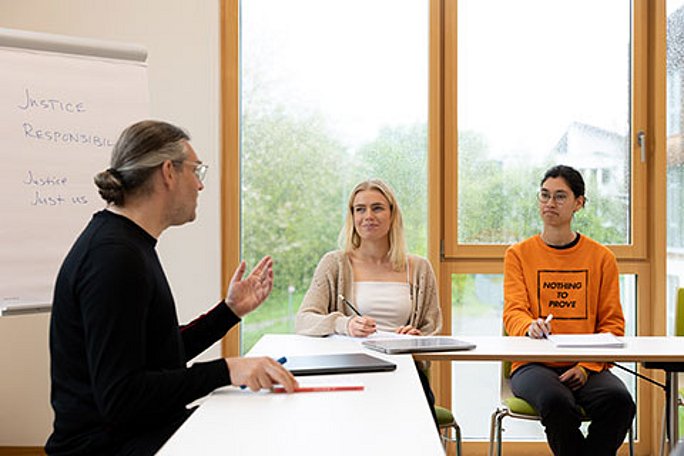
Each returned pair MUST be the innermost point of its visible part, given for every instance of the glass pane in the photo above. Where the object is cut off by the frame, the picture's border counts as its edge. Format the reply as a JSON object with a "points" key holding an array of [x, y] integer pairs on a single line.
{"points": [[675, 158], [327, 101], [477, 308], [534, 94]]}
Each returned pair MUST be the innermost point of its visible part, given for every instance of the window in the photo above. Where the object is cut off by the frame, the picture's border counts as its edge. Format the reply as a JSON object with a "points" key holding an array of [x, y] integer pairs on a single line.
{"points": [[513, 87], [327, 101], [532, 93], [675, 155]]}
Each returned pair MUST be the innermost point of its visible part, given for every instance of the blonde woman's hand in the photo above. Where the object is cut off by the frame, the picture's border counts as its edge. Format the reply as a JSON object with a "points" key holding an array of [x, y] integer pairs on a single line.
{"points": [[361, 326], [408, 329]]}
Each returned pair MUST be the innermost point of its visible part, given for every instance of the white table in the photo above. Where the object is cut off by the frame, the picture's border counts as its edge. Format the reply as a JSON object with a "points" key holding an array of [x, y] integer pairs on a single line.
{"points": [[641, 349], [390, 416]]}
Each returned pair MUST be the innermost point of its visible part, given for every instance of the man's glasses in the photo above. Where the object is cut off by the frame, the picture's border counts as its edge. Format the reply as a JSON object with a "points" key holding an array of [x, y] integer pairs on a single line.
{"points": [[200, 169], [545, 196]]}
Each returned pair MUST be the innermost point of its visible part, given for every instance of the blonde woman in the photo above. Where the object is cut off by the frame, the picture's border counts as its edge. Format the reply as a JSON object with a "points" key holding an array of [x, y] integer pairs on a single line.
{"points": [[390, 289], [372, 283]]}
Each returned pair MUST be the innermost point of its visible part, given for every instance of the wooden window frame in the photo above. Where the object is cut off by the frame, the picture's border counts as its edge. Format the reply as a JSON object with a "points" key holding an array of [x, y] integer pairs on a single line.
{"points": [[638, 207], [645, 256]]}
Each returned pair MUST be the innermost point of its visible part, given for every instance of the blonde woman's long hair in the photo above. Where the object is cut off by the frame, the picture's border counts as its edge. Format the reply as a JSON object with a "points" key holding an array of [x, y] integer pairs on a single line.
{"points": [[349, 238]]}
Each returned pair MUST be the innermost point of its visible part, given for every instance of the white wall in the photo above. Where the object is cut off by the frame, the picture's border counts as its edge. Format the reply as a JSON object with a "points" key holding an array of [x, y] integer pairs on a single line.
{"points": [[182, 40]]}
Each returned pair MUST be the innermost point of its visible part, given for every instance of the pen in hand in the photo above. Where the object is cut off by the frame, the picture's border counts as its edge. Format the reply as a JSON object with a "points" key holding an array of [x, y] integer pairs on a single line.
{"points": [[546, 328], [281, 360], [358, 326], [349, 304]]}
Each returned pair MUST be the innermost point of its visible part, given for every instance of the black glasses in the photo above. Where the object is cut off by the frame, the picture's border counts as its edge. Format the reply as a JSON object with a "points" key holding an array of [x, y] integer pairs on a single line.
{"points": [[544, 196]]}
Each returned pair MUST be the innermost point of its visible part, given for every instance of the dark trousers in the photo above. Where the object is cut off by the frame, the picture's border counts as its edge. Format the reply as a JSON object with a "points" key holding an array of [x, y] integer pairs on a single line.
{"points": [[604, 399], [429, 395]]}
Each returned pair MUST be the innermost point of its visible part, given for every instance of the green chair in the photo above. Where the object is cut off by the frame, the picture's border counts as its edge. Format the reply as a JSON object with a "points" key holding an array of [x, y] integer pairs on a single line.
{"points": [[515, 407], [449, 430], [679, 313], [679, 332], [663, 437]]}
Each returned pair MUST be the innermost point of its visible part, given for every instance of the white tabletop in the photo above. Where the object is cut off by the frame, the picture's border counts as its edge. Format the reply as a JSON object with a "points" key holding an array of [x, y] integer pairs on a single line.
{"points": [[390, 416], [492, 348], [638, 349]]}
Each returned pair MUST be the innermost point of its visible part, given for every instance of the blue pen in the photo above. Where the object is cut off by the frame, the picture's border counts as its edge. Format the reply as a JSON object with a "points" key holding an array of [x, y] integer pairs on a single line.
{"points": [[281, 360]]}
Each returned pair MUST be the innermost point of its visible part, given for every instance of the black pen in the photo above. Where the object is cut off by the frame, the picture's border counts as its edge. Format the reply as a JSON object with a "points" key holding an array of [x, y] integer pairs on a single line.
{"points": [[350, 305]]}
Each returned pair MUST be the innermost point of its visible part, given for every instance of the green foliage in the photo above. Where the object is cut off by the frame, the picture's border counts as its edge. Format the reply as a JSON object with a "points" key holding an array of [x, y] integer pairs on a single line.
{"points": [[497, 203], [462, 285], [603, 219], [291, 204], [296, 180], [295, 183], [471, 294], [290, 194], [399, 156], [275, 316]]}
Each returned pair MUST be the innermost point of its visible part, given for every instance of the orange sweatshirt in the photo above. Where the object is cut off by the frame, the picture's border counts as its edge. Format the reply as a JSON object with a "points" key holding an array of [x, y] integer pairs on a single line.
{"points": [[578, 285]]}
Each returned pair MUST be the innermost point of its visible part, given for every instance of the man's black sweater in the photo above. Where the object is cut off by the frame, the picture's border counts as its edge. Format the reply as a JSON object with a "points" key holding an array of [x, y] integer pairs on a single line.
{"points": [[120, 383]]}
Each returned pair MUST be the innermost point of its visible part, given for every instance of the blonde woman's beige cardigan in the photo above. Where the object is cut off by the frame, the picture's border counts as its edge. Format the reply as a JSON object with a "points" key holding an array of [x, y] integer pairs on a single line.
{"points": [[322, 313]]}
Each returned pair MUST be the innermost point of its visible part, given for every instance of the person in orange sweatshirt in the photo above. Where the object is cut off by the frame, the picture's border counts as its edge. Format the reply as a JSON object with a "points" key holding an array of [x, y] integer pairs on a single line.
{"points": [[575, 279]]}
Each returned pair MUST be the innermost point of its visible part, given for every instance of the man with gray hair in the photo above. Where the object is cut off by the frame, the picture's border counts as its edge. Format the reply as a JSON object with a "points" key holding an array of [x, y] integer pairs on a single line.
{"points": [[120, 380]]}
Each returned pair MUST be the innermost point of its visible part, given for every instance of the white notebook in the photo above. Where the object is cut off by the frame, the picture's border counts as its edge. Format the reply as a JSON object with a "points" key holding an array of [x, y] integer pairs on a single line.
{"points": [[586, 340]]}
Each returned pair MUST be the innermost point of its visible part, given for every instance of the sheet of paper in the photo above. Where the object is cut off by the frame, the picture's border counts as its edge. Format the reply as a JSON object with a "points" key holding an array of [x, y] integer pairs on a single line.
{"points": [[375, 335], [586, 340], [389, 335]]}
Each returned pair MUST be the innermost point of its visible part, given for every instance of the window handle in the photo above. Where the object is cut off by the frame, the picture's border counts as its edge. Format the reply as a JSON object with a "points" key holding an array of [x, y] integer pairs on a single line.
{"points": [[641, 140]]}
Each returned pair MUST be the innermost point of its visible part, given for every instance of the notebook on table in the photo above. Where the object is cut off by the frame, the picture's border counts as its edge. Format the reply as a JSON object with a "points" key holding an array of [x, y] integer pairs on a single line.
{"points": [[586, 340], [417, 344], [339, 363]]}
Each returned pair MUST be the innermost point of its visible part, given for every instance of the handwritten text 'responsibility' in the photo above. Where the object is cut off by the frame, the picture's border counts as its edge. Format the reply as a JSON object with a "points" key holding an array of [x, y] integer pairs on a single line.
{"points": [[31, 103]]}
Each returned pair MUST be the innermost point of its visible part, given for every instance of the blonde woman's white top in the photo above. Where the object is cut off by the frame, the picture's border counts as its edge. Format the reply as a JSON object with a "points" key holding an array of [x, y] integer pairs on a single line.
{"points": [[388, 303]]}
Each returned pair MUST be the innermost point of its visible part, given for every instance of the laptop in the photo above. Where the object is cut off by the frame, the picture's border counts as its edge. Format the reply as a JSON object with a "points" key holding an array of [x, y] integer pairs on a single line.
{"points": [[417, 344], [23, 309], [339, 363]]}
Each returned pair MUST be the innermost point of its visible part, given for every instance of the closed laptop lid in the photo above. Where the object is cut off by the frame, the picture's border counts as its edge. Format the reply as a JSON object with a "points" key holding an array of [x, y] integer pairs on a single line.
{"points": [[418, 344], [339, 363]]}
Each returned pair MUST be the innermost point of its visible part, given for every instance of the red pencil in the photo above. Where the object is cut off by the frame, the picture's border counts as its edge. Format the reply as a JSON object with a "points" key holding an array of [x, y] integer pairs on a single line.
{"points": [[318, 389]]}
